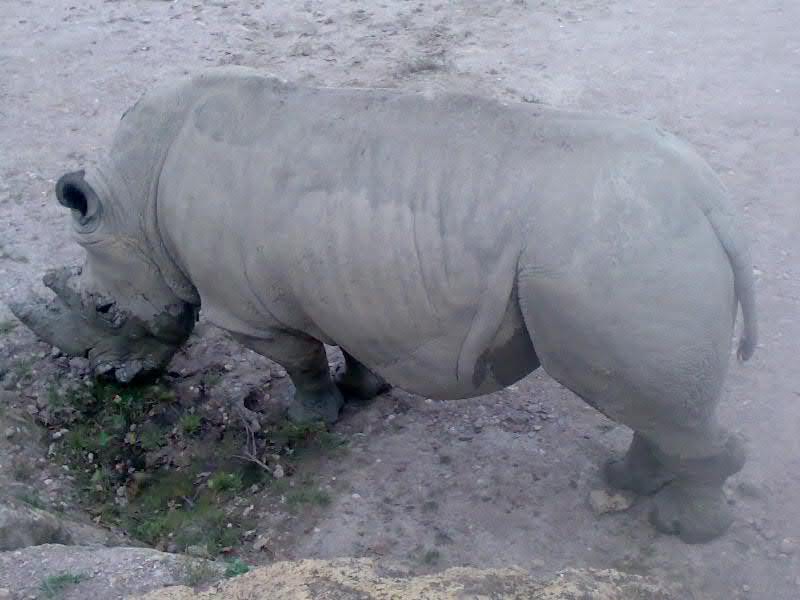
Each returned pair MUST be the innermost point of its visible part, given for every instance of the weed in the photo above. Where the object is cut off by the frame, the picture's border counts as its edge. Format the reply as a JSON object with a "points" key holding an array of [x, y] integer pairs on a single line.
{"points": [[31, 499], [236, 567], [7, 326], [430, 557], [55, 585], [190, 423]]}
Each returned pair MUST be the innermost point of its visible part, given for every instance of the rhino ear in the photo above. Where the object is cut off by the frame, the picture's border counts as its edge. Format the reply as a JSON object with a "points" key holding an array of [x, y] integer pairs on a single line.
{"points": [[74, 192]]}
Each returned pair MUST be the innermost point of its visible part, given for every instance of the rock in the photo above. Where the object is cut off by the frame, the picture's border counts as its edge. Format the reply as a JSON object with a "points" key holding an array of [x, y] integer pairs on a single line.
{"points": [[603, 501], [787, 546], [9, 432], [22, 525], [78, 365], [278, 472], [351, 579]]}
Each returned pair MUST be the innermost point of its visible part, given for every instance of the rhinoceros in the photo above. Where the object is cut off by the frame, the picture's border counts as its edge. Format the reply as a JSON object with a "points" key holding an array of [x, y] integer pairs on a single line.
{"points": [[448, 244]]}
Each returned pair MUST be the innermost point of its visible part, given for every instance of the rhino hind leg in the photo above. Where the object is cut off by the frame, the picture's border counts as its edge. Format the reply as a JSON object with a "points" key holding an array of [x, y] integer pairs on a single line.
{"points": [[357, 382], [316, 396]]}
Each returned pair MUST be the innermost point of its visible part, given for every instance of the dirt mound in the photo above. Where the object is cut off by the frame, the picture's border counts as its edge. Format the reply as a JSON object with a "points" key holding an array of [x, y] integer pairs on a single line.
{"points": [[351, 579]]}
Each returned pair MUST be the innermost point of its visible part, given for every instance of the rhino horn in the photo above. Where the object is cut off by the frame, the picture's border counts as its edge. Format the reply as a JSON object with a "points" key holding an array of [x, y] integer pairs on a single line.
{"points": [[56, 323], [61, 281]]}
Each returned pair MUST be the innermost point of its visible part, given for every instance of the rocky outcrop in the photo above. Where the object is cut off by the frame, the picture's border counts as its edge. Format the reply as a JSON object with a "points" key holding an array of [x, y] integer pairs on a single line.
{"points": [[362, 579], [95, 572]]}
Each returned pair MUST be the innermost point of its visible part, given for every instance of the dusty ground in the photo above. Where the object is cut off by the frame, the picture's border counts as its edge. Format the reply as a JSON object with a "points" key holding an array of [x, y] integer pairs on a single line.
{"points": [[501, 480]]}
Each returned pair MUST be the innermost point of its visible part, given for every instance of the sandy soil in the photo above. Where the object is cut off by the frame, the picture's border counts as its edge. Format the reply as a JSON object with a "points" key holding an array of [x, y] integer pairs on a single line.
{"points": [[500, 480]]}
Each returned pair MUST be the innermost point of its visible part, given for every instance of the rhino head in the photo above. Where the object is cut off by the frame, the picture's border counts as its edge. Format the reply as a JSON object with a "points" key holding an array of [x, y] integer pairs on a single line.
{"points": [[118, 309]]}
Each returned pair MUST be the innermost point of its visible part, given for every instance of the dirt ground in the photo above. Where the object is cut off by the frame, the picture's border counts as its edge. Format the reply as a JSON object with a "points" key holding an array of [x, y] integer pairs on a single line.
{"points": [[503, 479]]}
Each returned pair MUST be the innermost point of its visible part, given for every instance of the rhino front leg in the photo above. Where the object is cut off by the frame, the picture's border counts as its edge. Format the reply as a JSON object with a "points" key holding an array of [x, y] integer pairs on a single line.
{"points": [[357, 382], [316, 396]]}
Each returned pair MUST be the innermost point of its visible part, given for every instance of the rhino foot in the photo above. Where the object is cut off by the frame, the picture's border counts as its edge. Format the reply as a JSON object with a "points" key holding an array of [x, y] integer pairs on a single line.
{"points": [[320, 405], [696, 513], [639, 471], [357, 382]]}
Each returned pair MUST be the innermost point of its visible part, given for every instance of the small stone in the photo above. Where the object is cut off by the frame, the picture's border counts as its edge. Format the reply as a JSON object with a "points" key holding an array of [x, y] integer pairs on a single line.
{"points": [[55, 352], [260, 543], [278, 472], [603, 502], [9, 432], [745, 588], [787, 546], [356, 496]]}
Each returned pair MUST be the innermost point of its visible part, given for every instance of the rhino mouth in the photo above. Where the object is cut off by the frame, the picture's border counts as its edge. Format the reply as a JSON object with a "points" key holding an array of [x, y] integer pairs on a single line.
{"points": [[118, 348]]}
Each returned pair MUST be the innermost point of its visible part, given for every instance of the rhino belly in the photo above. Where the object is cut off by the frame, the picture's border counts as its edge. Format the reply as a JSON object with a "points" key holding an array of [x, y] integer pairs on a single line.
{"points": [[435, 369]]}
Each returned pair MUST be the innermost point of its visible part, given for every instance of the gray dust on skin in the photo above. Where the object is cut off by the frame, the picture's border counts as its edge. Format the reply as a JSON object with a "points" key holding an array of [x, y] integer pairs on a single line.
{"points": [[458, 233]]}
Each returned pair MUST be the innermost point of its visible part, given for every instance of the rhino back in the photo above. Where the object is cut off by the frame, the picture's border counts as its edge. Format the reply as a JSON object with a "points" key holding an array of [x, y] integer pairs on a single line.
{"points": [[389, 224]]}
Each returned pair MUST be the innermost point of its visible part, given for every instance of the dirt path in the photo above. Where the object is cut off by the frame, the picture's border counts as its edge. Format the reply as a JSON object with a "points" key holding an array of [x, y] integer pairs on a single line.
{"points": [[504, 479]]}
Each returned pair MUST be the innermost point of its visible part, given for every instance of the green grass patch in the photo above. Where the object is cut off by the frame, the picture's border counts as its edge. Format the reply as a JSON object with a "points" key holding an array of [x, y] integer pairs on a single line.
{"points": [[225, 482], [54, 586]]}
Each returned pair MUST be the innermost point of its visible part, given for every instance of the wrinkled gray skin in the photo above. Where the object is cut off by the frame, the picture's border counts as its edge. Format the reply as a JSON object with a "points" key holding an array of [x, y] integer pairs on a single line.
{"points": [[437, 240]]}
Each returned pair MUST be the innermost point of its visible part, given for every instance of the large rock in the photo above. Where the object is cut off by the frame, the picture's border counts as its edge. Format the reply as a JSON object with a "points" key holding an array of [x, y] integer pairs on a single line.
{"points": [[362, 579], [101, 573]]}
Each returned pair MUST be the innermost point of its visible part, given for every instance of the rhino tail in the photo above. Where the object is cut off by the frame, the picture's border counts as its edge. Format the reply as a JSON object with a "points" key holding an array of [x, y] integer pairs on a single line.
{"points": [[738, 251]]}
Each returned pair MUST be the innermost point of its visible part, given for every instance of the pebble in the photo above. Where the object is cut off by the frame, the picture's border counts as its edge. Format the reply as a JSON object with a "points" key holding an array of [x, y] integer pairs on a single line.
{"points": [[278, 472], [787, 546], [9, 432], [603, 502]]}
